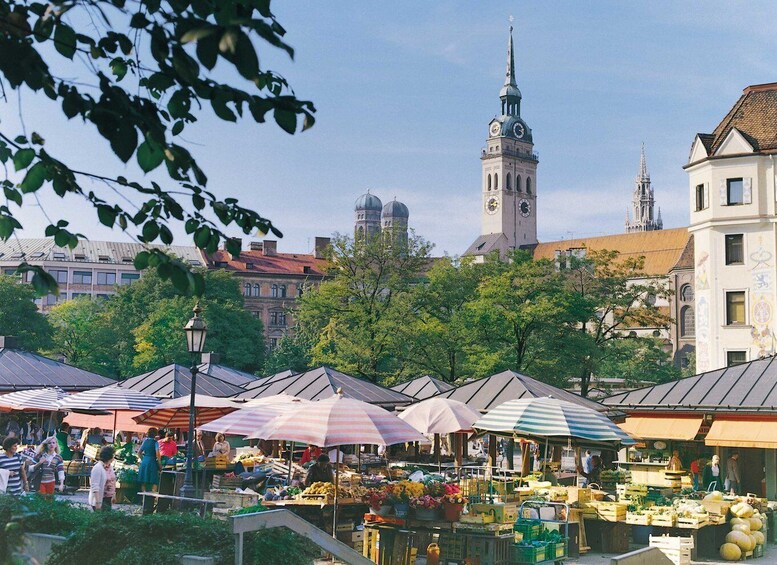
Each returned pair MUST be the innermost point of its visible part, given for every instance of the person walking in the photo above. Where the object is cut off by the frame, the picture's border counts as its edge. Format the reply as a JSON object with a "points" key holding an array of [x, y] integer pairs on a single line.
{"points": [[711, 478], [150, 461], [733, 480], [102, 481], [12, 462], [50, 466]]}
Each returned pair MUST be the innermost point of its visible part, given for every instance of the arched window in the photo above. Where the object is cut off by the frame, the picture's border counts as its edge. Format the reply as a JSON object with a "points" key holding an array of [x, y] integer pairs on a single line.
{"points": [[300, 290], [686, 293], [496, 181], [687, 321], [528, 185], [283, 291], [257, 290], [508, 183], [275, 291], [247, 289], [518, 183], [489, 182]]}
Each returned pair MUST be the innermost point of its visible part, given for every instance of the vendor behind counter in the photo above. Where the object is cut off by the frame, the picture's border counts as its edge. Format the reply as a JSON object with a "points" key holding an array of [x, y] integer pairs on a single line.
{"points": [[320, 472]]}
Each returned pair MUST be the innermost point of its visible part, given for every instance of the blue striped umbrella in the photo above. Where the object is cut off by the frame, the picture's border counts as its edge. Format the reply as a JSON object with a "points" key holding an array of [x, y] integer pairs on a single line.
{"points": [[548, 417], [41, 399]]}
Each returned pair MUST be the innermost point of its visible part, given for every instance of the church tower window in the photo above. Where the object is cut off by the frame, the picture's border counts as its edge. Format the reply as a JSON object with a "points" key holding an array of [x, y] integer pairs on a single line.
{"points": [[518, 183], [508, 182], [496, 181], [528, 185], [489, 182], [687, 322]]}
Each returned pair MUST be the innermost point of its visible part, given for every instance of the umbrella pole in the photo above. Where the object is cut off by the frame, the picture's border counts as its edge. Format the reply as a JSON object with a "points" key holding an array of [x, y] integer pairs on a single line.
{"points": [[437, 451], [337, 480], [115, 416], [291, 458], [545, 462]]}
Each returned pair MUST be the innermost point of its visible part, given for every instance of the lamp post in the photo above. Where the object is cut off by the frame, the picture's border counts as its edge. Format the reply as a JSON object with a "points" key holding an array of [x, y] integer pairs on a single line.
{"points": [[195, 340]]}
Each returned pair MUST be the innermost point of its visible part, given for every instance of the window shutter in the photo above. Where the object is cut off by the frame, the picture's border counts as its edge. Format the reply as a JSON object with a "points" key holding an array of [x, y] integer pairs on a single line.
{"points": [[706, 195], [723, 194], [747, 192]]}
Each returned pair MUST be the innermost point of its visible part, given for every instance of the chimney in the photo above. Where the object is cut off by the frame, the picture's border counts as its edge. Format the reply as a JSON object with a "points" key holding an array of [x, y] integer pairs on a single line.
{"points": [[270, 247], [321, 244], [8, 342], [256, 246], [212, 358]]}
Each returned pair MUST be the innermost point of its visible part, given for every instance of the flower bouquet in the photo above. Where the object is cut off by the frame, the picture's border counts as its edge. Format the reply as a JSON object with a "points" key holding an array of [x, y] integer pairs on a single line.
{"points": [[426, 507], [453, 502], [400, 494], [378, 501]]}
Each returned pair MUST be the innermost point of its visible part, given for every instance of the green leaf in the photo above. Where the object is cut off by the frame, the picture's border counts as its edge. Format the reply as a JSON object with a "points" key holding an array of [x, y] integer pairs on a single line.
{"points": [[150, 231], [13, 195], [150, 156], [177, 127], [165, 235], [246, 61], [23, 158], [141, 260], [139, 20], [119, 68], [180, 278], [286, 119], [191, 225], [208, 51], [219, 103], [202, 236], [62, 238], [34, 178], [65, 40], [107, 215]]}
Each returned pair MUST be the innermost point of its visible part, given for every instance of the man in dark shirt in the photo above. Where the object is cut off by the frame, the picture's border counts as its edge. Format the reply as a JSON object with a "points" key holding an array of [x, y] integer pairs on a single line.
{"points": [[320, 472]]}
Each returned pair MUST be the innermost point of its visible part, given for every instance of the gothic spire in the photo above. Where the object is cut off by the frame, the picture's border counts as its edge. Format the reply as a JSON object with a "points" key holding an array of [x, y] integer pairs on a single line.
{"points": [[510, 75], [643, 173], [510, 95]]}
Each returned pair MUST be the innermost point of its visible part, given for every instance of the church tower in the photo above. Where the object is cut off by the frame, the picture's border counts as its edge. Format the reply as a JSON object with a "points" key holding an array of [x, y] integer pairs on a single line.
{"points": [[509, 175], [643, 202], [367, 212]]}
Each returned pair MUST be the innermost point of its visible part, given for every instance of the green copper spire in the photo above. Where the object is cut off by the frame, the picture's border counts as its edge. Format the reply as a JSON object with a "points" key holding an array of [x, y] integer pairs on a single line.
{"points": [[510, 95]]}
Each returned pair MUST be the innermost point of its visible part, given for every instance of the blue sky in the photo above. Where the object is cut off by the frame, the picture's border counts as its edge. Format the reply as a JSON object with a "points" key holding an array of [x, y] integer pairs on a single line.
{"points": [[405, 91]]}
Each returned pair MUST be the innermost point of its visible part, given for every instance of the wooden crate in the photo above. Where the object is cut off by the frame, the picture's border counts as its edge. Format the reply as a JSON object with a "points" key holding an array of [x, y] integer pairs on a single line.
{"points": [[716, 506], [664, 520], [694, 522], [677, 549], [638, 519], [233, 499], [220, 481], [611, 511], [578, 494]]}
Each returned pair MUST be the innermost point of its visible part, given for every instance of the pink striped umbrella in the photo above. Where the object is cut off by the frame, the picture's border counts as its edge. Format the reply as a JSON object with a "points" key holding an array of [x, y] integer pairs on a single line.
{"points": [[174, 413], [338, 421], [247, 420]]}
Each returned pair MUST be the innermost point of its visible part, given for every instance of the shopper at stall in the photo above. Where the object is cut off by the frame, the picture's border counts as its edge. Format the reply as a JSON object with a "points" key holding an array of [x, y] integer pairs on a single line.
{"points": [[168, 448], [221, 447], [12, 427], [696, 466], [199, 446], [51, 467], [311, 453], [733, 481], [102, 483], [711, 479], [63, 441], [12, 462], [594, 475], [675, 464], [150, 461], [320, 472]]}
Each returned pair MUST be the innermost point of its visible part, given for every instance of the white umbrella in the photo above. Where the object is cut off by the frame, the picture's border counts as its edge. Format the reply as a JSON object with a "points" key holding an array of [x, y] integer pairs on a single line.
{"points": [[440, 416], [247, 420], [41, 399], [110, 398]]}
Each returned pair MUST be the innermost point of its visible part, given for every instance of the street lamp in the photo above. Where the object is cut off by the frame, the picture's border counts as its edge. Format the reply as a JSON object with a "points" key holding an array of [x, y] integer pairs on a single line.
{"points": [[195, 340]]}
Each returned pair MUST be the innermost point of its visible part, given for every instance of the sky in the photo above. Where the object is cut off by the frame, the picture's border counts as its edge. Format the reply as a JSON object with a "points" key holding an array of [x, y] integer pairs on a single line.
{"points": [[404, 92]]}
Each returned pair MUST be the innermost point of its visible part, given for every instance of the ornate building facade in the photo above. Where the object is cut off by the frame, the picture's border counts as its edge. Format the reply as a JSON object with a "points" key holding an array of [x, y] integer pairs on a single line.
{"points": [[643, 202]]}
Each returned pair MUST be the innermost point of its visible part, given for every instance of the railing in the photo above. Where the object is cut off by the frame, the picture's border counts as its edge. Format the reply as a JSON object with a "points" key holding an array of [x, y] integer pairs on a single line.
{"points": [[530, 155], [286, 519]]}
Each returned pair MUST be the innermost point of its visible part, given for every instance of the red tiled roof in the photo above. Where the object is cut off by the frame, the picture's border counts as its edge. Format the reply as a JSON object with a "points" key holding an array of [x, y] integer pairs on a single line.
{"points": [[278, 264], [755, 116]]}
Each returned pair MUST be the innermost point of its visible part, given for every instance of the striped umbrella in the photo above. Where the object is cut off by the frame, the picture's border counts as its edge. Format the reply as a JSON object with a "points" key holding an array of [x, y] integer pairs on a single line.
{"points": [[338, 421], [439, 415], [247, 420], [547, 417], [41, 399], [108, 398], [174, 413]]}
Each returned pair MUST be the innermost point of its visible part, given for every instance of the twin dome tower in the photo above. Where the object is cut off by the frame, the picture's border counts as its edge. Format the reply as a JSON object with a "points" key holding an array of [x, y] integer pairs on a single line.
{"points": [[372, 217]]}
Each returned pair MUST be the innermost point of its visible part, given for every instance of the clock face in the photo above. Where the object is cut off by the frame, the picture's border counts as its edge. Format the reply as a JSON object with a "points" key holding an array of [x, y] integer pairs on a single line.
{"points": [[492, 205], [525, 207], [494, 129], [518, 130]]}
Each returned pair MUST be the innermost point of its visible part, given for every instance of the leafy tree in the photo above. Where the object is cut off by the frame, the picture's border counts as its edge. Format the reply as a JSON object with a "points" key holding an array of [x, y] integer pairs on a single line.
{"points": [[142, 72], [357, 314], [19, 316], [292, 352], [522, 318], [617, 295], [638, 361], [83, 334], [437, 335]]}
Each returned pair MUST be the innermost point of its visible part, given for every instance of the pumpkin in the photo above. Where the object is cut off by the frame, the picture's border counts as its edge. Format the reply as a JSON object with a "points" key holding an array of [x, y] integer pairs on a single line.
{"points": [[759, 538], [740, 538], [730, 552], [715, 495], [742, 510], [735, 521], [744, 528], [755, 524]]}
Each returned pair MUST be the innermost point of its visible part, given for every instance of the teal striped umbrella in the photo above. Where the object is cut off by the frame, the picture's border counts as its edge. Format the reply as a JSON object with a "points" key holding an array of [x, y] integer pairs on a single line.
{"points": [[548, 417]]}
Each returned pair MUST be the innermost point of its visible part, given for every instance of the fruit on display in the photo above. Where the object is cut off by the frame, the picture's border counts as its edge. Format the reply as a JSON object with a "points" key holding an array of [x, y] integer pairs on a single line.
{"points": [[755, 524], [759, 537], [742, 539], [735, 521], [744, 528], [730, 552], [715, 495], [321, 488], [742, 510]]}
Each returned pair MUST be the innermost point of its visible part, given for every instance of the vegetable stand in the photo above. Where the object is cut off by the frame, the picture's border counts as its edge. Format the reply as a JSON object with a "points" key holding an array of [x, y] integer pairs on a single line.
{"points": [[544, 539]]}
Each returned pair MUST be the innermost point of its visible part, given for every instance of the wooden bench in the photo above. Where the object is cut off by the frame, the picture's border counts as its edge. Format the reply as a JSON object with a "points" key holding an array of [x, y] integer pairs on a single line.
{"points": [[205, 505]]}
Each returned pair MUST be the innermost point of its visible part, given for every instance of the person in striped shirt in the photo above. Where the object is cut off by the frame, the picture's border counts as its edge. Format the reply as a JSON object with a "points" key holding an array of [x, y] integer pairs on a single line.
{"points": [[12, 462]]}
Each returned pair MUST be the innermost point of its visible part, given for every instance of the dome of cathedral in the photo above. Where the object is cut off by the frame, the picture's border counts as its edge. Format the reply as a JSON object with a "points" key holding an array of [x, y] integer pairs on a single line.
{"points": [[395, 209], [368, 202], [510, 90]]}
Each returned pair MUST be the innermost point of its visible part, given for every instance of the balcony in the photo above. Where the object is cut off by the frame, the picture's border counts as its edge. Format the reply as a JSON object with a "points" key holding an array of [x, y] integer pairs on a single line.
{"points": [[528, 155]]}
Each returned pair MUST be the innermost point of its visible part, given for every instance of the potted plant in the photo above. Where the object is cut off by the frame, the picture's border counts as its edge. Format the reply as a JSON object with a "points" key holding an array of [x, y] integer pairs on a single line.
{"points": [[426, 507], [378, 501], [453, 502], [127, 485], [400, 495]]}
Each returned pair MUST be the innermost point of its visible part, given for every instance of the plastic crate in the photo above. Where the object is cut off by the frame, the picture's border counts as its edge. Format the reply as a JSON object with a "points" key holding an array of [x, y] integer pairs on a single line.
{"points": [[452, 547], [559, 549], [528, 553], [483, 550], [529, 529]]}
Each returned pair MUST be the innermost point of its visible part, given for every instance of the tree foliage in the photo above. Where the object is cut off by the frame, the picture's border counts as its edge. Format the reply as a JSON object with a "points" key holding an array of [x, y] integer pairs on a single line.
{"points": [[19, 316], [144, 71], [83, 335]]}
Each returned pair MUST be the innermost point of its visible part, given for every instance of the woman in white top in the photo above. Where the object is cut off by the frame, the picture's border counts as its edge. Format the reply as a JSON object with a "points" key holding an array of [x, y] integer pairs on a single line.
{"points": [[102, 481], [221, 447]]}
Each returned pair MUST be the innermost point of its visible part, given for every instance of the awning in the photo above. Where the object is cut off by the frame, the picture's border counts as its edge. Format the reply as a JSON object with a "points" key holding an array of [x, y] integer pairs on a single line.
{"points": [[679, 429], [743, 433], [124, 421]]}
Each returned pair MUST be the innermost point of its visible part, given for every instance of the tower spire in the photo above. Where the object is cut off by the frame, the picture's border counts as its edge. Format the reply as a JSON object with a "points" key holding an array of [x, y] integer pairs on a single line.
{"points": [[510, 95], [510, 74], [643, 174]]}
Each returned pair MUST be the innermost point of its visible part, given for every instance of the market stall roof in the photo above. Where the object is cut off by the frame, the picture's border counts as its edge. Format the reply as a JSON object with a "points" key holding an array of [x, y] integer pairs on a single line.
{"points": [[22, 370], [662, 427], [260, 382], [742, 433], [489, 392], [228, 374], [423, 387], [321, 383], [749, 387], [173, 381]]}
